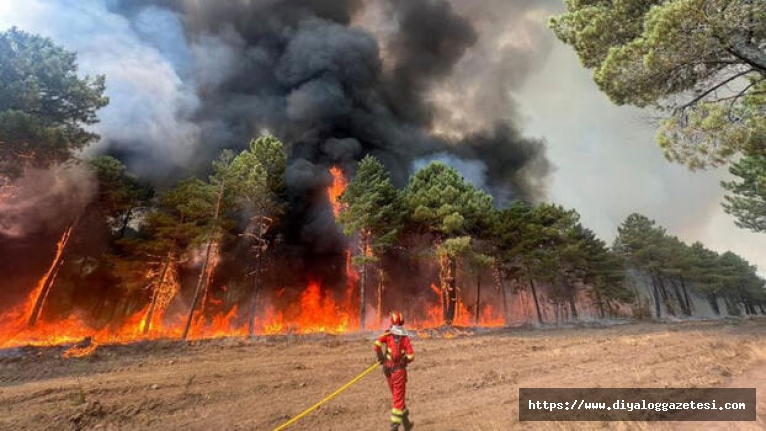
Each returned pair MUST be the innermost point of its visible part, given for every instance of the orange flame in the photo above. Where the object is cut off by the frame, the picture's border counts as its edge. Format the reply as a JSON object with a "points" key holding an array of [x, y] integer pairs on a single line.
{"points": [[81, 352], [315, 310], [337, 188]]}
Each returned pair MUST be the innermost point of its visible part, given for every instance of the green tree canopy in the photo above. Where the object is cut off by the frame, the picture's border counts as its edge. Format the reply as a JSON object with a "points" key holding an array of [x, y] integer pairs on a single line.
{"points": [[372, 211], [702, 62], [640, 243], [747, 201], [119, 193], [255, 178], [182, 220], [372, 205], [440, 201], [44, 105]]}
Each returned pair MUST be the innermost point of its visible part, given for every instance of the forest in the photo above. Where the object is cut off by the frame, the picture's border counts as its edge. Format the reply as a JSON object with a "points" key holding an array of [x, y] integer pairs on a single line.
{"points": [[263, 241]]}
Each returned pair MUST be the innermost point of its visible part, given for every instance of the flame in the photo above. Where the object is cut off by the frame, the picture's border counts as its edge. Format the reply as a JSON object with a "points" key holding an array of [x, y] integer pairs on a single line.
{"points": [[337, 188], [315, 309], [36, 300], [81, 351], [164, 290]]}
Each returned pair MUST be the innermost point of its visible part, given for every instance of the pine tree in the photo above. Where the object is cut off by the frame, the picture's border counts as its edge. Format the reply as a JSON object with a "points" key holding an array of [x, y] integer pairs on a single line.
{"points": [[373, 212]]}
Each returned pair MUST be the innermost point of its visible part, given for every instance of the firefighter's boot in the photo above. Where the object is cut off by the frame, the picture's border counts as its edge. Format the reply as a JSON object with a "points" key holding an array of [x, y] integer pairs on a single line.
{"points": [[408, 425], [394, 426]]}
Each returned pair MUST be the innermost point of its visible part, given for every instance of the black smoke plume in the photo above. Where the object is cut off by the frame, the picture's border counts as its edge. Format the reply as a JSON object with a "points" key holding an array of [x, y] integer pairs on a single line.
{"points": [[308, 72]]}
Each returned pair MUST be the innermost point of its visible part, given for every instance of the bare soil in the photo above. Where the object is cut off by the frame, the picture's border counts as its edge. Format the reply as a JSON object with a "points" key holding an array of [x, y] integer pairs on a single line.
{"points": [[460, 380]]}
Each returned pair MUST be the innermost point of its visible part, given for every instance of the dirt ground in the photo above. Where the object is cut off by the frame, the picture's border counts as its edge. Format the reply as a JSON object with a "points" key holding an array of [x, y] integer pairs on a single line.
{"points": [[465, 382]]}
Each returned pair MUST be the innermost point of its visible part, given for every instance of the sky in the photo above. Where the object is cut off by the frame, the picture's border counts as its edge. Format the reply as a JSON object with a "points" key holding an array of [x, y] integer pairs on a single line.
{"points": [[605, 161], [607, 164]]}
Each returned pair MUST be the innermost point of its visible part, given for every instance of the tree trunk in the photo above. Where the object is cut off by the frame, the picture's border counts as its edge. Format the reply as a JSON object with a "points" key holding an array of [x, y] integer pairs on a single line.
{"points": [[478, 299], [450, 290], [680, 297], [125, 222], [201, 287], [656, 294], [202, 281], [713, 300], [155, 293], [46, 283], [506, 307], [686, 295], [573, 306], [254, 297], [537, 302], [363, 296], [748, 306], [571, 297], [760, 307], [365, 241], [665, 296], [379, 305]]}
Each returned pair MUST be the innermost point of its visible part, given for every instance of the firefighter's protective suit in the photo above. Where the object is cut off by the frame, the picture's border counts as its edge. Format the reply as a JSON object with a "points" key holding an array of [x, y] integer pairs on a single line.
{"points": [[394, 351]]}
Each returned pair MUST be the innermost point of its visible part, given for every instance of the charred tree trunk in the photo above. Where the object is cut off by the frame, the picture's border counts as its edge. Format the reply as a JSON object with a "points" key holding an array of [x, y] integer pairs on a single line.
{"points": [[686, 295], [713, 300], [681, 300], [537, 302], [125, 222], [665, 296], [573, 307], [656, 294], [748, 306]]}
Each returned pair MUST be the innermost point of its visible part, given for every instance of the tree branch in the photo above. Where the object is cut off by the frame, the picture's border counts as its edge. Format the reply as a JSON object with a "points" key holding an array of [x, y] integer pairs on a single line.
{"points": [[712, 89]]}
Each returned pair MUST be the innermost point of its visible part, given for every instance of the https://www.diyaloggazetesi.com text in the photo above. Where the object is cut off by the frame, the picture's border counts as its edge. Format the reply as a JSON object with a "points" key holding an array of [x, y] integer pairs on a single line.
{"points": [[637, 404]]}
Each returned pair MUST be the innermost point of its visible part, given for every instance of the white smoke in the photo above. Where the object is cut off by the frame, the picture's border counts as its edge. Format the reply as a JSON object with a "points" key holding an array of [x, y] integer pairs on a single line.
{"points": [[146, 63], [46, 200]]}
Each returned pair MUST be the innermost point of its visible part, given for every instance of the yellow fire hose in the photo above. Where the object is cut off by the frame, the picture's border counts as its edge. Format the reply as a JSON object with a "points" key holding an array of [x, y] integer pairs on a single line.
{"points": [[326, 399]]}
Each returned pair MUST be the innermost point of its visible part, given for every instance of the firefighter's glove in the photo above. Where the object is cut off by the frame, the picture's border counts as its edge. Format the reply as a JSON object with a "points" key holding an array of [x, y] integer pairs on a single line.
{"points": [[381, 358]]}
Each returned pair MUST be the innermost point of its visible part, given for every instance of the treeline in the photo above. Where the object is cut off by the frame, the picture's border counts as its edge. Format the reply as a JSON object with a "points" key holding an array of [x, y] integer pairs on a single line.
{"points": [[438, 219], [674, 271], [132, 247]]}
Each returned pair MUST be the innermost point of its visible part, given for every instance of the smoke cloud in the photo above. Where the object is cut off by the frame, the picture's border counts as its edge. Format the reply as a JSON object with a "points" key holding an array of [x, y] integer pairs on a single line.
{"points": [[43, 201], [336, 80]]}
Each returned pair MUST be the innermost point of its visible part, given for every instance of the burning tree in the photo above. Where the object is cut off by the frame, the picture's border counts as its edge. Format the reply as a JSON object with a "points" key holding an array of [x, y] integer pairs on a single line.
{"points": [[219, 181], [44, 107], [182, 221], [373, 213], [256, 185], [441, 203]]}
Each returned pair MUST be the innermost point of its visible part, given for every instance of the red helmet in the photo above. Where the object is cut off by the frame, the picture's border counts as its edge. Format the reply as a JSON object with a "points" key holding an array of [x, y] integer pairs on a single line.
{"points": [[397, 319]]}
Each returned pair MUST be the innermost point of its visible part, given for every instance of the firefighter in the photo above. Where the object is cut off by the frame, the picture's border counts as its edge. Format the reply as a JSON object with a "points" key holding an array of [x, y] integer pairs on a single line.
{"points": [[394, 352]]}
